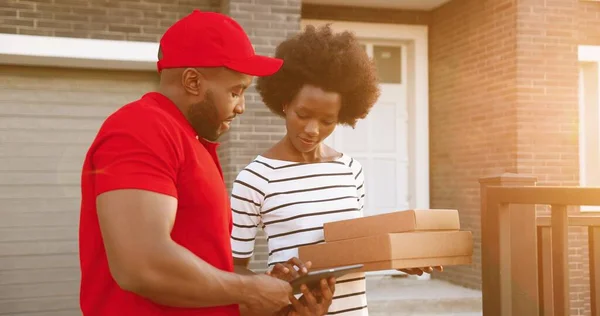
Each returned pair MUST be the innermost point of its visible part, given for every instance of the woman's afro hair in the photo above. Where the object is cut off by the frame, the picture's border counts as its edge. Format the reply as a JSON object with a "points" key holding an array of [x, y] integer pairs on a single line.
{"points": [[332, 62]]}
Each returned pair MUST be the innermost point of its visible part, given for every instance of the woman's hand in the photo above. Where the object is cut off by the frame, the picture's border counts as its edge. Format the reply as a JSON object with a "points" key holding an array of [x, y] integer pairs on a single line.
{"points": [[313, 304], [420, 271], [290, 269]]}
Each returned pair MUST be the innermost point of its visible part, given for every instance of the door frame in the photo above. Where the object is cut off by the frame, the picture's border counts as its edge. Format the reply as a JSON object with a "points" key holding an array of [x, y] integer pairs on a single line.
{"points": [[589, 69], [415, 39]]}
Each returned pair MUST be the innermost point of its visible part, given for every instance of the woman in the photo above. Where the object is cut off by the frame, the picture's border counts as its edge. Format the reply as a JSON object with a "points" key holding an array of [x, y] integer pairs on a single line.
{"points": [[299, 184]]}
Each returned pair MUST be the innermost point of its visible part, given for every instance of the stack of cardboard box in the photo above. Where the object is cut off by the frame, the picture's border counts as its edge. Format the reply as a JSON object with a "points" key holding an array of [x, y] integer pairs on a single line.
{"points": [[397, 240]]}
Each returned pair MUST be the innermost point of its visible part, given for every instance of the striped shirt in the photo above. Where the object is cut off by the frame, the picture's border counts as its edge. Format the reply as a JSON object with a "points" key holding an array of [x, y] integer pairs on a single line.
{"points": [[291, 202]]}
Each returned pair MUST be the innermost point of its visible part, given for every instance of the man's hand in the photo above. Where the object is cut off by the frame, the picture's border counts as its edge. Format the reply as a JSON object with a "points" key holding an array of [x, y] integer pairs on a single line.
{"points": [[316, 304], [287, 271], [267, 296], [420, 271]]}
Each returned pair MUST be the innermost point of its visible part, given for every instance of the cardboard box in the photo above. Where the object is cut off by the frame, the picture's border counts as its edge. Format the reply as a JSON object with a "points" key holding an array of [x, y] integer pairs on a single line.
{"points": [[393, 251], [395, 222]]}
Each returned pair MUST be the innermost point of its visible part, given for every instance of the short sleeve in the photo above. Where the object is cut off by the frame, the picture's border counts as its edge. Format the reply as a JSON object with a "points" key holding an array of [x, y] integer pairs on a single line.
{"points": [[359, 177], [246, 205], [135, 154]]}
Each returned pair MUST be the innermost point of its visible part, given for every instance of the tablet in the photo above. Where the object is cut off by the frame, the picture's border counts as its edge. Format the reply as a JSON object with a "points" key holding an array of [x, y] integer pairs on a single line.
{"points": [[313, 278]]}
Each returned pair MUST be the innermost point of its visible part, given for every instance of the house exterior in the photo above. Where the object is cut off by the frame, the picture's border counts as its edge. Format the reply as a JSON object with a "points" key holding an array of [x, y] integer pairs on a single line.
{"points": [[470, 88]]}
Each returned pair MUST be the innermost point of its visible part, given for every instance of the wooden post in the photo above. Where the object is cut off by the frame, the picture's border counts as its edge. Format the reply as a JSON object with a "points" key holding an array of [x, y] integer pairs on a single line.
{"points": [[508, 261], [594, 249], [560, 259], [544, 250]]}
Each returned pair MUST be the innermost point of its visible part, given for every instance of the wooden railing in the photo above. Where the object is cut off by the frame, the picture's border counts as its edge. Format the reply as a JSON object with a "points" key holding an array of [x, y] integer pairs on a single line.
{"points": [[524, 257]]}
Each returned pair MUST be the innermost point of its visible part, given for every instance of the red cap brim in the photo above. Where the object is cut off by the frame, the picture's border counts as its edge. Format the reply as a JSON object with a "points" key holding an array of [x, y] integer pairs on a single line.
{"points": [[256, 65]]}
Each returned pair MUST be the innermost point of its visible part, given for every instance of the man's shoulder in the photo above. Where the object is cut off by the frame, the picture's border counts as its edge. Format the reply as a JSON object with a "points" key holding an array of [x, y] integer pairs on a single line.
{"points": [[137, 124], [139, 117], [136, 111]]}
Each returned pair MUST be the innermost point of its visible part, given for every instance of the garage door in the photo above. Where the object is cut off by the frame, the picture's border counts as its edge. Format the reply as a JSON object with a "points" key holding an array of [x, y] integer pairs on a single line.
{"points": [[48, 118]]}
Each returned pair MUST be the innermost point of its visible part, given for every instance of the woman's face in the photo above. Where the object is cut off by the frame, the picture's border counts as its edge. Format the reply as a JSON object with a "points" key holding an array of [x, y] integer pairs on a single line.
{"points": [[311, 117]]}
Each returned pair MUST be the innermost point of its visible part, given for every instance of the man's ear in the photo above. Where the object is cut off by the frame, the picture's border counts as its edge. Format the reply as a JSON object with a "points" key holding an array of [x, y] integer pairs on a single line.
{"points": [[193, 81]]}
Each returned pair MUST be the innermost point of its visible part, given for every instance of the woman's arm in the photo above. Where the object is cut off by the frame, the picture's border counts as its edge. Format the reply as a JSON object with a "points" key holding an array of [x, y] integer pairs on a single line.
{"points": [[247, 197], [246, 205]]}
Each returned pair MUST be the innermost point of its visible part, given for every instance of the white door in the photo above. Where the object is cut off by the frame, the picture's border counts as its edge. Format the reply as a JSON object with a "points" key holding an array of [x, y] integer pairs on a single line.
{"points": [[380, 141]]}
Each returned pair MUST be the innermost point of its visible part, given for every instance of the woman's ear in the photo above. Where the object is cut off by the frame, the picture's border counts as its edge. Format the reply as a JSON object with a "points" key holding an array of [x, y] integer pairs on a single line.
{"points": [[284, 109]]}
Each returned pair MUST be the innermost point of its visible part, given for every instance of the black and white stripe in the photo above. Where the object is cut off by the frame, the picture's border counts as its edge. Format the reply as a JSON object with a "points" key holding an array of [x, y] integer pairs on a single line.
{"points": [[292, 201]]}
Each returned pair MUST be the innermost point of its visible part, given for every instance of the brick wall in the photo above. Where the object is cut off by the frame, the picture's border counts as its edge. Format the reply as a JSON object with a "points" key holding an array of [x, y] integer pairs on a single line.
{"points": [[504, 99], [472, 110], [358, 14], [589, 20], [547, 112], [133, 20], [268, 22]]}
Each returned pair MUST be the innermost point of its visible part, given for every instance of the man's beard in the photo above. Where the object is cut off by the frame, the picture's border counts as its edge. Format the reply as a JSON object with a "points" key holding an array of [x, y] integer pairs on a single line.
{"points": [[204, 118]]}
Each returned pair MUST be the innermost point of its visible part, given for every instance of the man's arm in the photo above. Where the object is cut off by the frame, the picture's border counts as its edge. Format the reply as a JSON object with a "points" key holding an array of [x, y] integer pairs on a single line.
{"points": [[240, 266], [135, 168], [143, 259]]}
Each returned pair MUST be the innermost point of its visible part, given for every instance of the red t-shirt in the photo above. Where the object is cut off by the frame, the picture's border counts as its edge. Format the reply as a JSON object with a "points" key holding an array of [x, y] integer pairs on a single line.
{"points": [[149, 145]]}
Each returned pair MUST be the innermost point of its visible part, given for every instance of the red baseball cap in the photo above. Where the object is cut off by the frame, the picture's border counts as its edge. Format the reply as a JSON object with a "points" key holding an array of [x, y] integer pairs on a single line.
{"points": [[210, 39]]}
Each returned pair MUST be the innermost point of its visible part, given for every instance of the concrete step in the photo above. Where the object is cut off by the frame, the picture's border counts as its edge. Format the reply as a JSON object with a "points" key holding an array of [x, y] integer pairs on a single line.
{"points": [[404, 296]]}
